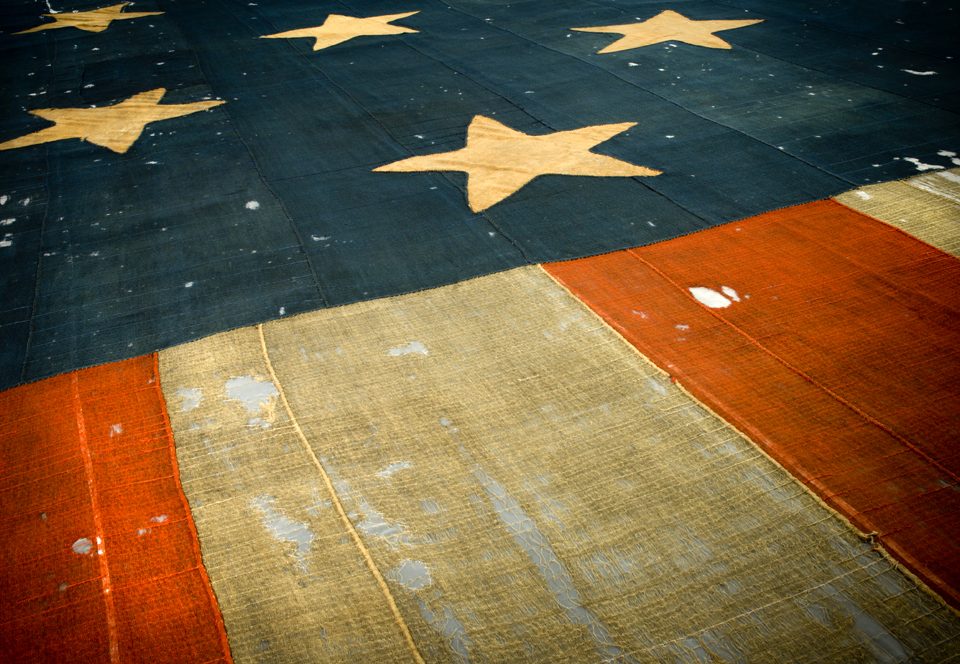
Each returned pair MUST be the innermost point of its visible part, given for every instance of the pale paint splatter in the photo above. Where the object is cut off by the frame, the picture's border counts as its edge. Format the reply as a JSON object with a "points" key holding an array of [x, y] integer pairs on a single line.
{"points": [[922, 166], [190, 398], [412, 575], [394, 468], [254, 394], [285, 529], [414, 347], [710, 298], [82, 546]]}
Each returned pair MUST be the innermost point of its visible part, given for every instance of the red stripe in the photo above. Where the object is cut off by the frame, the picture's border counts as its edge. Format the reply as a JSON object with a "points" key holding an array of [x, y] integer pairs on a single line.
{"points": [[103, 563], [841, 359]]}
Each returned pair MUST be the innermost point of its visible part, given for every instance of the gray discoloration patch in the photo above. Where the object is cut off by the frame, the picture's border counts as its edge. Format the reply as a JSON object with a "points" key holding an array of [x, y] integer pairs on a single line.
{"points": [[818, 613], [190, 398], [529, 538], [412, 348], [284, 528], [656, 384], [447, 624], [255, 395], [82, 546], [883, 645], [394, 468], [430, 506], [375, 524], [412, 575]]}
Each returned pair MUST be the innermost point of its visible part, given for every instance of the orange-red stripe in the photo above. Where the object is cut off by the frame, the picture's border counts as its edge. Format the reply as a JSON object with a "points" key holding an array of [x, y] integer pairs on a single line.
{"points": [[101, 563], [841, 359]]}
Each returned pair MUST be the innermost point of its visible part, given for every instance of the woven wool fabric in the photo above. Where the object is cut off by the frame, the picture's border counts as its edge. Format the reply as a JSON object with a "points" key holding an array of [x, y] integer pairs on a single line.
{"points": [[527, 486], [100, 562], [926, 206], [265, 181], [839, 357]]}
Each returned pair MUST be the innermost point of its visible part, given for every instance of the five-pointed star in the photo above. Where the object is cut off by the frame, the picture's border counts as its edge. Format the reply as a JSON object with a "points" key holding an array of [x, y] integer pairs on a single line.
{"points": [[95, 20], [114, 127], [339, 28], [499, 161], [668, 26]]}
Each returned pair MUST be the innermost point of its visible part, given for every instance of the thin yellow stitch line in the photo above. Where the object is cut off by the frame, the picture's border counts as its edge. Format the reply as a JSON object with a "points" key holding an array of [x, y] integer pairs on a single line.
{"points": [[367, 557]]}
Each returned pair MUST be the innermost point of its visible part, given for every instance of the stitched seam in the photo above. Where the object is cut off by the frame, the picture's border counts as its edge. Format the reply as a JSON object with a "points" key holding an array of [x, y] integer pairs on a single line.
{"points": [[105, 582], [194, 535], [341, 512], [802, 374]]}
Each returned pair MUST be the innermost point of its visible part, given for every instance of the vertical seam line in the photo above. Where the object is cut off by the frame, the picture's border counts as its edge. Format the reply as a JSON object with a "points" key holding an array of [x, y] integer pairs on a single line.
{"points": [[105, 581], [338, 505], [194, 535]]}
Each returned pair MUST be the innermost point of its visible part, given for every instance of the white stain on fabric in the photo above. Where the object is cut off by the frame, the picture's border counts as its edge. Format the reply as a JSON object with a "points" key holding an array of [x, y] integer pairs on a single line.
{"points": [[922, 166], [190, 398], [144, 531], [116, 430], [82, 546], [394, 468], [254, 394], [412, 348], [531, 541], [929, 72], [864, 196], [947, 175], [731, 293], [4, 199], [160, 518], [6, 241], [25, 202], [7, 222], [710, 298], [412, 575], [285, 529], [189, 284], [252, 205], [952, 156]]}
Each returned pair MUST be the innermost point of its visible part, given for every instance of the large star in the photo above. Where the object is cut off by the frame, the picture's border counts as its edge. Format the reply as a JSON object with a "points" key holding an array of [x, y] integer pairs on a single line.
{"points": [[668, 26], [499, 161], [114, 127], [95, 20], [339, 28]]}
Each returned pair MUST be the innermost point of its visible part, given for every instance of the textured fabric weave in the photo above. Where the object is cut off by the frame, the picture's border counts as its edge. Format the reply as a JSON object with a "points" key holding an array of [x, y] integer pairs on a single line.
{"points": [[529, 486]]}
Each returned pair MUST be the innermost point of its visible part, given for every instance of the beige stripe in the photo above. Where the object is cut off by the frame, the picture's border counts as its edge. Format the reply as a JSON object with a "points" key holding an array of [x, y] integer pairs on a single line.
{"points": [[926, 206], [533, 489], [347, 524]]}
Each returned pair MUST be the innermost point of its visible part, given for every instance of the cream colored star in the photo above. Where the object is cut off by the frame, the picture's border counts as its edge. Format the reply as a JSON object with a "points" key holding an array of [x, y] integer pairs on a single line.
{"points": [[338, 29], [95, 20], [499, 161], [114, 127], [668, 26]]}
